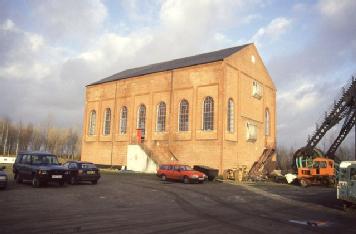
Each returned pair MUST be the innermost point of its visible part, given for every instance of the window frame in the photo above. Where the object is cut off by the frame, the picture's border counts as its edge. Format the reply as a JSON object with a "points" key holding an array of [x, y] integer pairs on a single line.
{"points": [[183, 117], [230, 115], [107, 122], [161, 117], [267, 122], [208, 114], [92, 123], [123, 120], [139, 121]]}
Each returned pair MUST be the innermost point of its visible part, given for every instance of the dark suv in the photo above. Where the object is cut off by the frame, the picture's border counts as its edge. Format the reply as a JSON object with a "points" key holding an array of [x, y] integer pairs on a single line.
{"points": [[40, 168]]}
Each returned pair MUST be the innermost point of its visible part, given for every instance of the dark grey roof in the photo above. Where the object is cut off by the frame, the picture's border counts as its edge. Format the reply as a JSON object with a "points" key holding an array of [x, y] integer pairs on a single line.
{"points": [[173, 64]]}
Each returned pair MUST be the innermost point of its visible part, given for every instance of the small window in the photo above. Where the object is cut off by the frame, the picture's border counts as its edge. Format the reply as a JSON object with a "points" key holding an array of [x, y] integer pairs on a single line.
{"points": [[267, 123], [353, 174], [184, 115], [123, 120], [256, 89], [251, 132], [208, 114], [92, 123], [161, 117], [230, 116]]}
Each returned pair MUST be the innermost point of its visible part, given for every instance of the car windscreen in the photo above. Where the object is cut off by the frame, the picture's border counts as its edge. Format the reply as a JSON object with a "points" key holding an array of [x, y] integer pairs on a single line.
{"points": [[87, 166], [44, 160]]}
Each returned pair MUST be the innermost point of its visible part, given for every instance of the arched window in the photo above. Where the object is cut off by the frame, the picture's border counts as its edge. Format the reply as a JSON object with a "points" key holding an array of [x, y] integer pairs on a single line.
{"points": [[267, 123], [123, 120], [208, 114], [141, 120], [107, 121], [184, 115], [92, 123], [161, 117], [230, 115]]}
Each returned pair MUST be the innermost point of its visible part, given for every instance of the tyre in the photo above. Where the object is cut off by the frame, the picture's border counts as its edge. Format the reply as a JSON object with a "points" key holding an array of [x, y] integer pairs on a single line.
{"points": [[94, 181], [304, 183], [186, 180], [61, 183], [18, 179], [36, 182], [163, 177], [73, 180], [201, 182]]}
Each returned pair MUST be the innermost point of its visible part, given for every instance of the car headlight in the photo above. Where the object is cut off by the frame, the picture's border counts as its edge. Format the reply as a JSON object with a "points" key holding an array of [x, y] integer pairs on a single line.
{"points": [[194, 176], [42, 172]]}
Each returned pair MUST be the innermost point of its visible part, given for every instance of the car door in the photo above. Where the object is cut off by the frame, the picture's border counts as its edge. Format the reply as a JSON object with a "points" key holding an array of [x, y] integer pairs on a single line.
{"points": [[352, 184], [26, 171], [176, 172], [73, 169]]}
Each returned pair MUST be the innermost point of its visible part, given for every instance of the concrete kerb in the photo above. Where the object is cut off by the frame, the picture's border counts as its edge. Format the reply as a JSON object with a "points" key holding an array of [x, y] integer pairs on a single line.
{"points": [[282, 199]]}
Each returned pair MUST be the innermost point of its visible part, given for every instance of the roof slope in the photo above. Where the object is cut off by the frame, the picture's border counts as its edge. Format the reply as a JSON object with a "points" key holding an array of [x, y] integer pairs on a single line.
{"points": [[173, 64]]}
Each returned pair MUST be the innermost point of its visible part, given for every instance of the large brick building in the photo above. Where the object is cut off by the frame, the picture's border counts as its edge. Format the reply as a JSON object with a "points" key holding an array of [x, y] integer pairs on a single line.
{"points": [[216, 109]]}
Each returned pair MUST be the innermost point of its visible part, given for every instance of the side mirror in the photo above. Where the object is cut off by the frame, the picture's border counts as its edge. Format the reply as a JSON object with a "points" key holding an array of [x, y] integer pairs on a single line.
{"points": [[179, 170]]}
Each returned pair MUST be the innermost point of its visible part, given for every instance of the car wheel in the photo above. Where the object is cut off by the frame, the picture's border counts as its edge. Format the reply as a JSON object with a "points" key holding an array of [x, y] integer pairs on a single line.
{"points": [[36, 182], [201, 181], [18, 179], [304, 183], [73, 180], [94, 181], [186, 180], [61, 183], [163, 177]]}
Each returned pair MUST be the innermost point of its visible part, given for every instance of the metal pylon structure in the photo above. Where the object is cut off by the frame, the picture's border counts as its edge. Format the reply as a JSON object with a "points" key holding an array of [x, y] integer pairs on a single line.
{"points": [[344, 108]]}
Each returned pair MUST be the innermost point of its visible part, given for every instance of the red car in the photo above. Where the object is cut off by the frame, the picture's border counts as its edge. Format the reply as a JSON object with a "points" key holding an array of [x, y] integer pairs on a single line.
{"points": [[180, 172]]}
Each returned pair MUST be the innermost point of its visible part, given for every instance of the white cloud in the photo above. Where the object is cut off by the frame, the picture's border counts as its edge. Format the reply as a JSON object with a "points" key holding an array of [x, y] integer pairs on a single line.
{"points": [[70, 20], [272, 31]]}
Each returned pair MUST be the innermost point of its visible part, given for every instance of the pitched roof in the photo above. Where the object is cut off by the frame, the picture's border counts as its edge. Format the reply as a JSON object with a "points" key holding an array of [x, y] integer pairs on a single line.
{"points": [[172, 64]]}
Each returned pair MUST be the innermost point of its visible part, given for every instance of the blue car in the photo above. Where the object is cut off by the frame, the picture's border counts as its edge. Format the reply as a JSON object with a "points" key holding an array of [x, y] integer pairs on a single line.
{"points": [[40, 168], [3, 178]]}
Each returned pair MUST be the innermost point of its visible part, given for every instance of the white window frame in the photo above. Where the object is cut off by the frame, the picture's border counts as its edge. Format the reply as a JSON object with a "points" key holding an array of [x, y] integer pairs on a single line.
{"points": [[107, 122], [208, 114], [230, 115], [183, 126], [251, 131], [92, 123], [161, 117], [123, 120], [257, 90]]}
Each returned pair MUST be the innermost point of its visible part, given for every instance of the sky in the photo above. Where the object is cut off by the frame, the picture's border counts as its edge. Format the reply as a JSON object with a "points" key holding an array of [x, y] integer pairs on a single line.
{"points": [[49, 50]]}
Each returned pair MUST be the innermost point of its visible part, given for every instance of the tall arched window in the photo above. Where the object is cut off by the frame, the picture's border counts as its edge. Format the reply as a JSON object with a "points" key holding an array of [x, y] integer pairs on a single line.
{"points": [[141, 120], [161, 117], [123, 120], [208, 114], [267, 123], [230, 115], [184, 115], [107, 121], [92, 123]]}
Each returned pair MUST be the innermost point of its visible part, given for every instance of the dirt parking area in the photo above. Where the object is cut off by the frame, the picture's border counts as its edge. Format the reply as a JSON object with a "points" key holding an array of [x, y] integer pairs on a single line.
{"points": [[136, 203]]}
